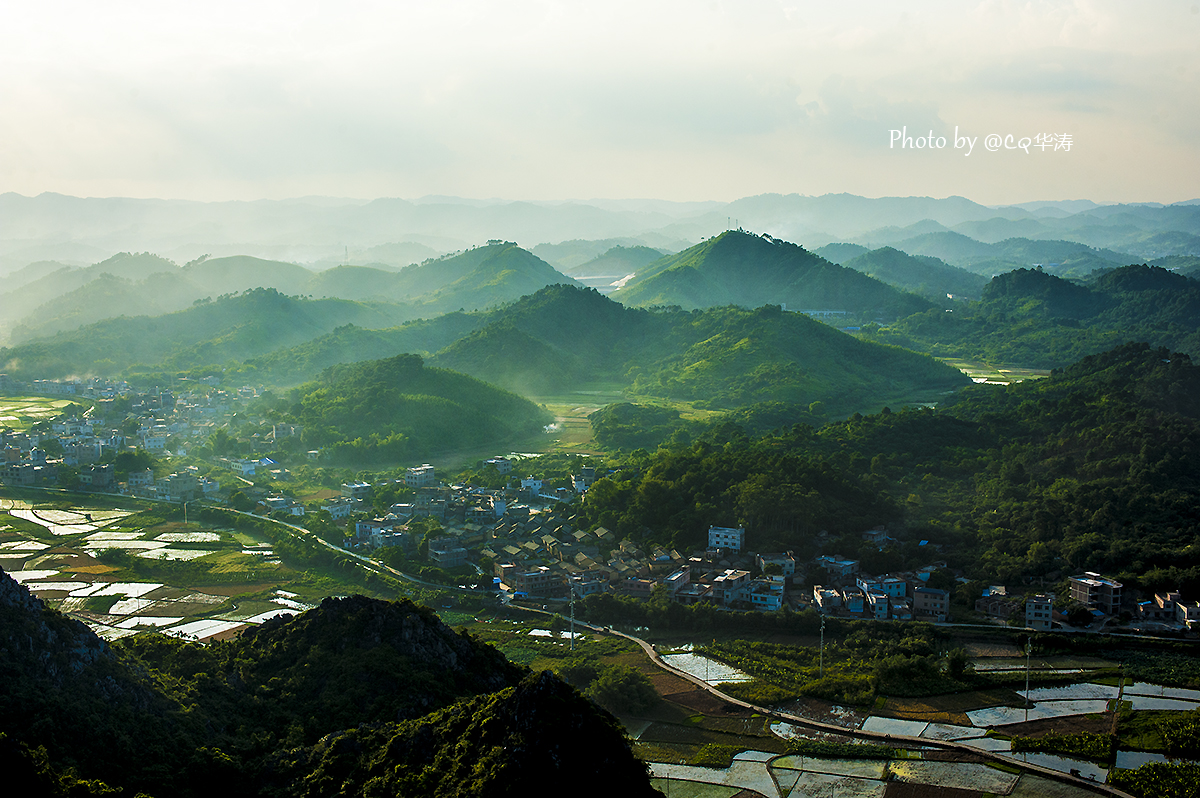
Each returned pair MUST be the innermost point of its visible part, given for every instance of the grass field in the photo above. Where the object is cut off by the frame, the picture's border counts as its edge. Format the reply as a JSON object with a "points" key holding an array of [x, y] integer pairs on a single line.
{"points": [[22, 412], [995, 374]]}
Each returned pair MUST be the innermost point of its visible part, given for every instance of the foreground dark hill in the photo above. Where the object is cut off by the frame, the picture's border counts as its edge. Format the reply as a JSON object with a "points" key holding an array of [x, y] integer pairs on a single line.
{"points": [[339, 700], [738, 268]]}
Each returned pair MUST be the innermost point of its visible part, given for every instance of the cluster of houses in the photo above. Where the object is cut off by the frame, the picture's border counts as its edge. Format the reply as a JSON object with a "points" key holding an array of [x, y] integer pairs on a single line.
{"points": [[902, 597], [565, 561], [1102, 596], [81, 442]]}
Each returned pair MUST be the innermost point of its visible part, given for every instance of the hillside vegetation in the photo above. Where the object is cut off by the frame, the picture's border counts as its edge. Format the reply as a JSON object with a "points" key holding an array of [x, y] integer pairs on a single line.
{"points": [[929, 277], [397, 408], [1033, 318], [1093, 468], [721, 358], [344, 699], [147, 285], [233, 328], [739, 268]]}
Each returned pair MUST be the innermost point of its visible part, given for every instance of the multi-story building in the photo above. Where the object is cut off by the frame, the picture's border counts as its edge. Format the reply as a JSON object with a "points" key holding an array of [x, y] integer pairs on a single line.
{"points": [[97, 477], [879, 604], [447, 553], [890, 586], [1039, 611], [1097, 592], [723, 537], [420, 476], [931, 603], [837, 566], [1188, 612], [785, 561], [539, 581], [359, 491]]}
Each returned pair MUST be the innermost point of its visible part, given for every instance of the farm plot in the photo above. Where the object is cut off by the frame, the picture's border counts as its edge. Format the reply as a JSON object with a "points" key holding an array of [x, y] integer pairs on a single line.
{"points": [[745, 773], [708, 670], [960, 775], [1000, 716]]}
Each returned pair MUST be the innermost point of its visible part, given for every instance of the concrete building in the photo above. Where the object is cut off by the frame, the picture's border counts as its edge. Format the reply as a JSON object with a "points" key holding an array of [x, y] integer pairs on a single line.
{"points": [[359, 491], [1039, 610], [1097, 592], [931, 603], [890, 586], [420, 476], [837, 566], [723, 537], [785, 561]]}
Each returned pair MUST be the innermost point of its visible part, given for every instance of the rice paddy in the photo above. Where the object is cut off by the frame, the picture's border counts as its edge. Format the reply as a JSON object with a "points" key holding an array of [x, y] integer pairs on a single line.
{"points": [[58, 552]]}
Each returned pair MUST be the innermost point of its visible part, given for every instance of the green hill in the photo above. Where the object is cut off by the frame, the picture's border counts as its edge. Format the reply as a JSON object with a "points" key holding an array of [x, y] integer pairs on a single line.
{"points": [[107, 297], [18, 303], [353, 282], [738, 268], [567, 338], [344, 699], [292, 365], [232, 275], [231, 328], [483, 277], [927, 276], [1064, 258], [840, 252], [1100, 471], [397, 408], [139, 285], [618, 261], [1035, 319]]}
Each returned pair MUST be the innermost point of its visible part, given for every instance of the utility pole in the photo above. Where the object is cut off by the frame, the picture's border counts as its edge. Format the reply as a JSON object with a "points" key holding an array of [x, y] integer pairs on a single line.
{"points": [[1028, 650], [822, 672], [572, 588]]}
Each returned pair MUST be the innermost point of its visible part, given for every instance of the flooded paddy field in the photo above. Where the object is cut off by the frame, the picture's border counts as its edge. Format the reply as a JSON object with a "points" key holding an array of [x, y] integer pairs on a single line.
{"points": [[198, 582]]}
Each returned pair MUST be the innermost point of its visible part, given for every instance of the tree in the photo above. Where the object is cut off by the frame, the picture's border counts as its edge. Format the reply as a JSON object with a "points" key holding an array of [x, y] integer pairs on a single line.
{"points": [[622, 690]]}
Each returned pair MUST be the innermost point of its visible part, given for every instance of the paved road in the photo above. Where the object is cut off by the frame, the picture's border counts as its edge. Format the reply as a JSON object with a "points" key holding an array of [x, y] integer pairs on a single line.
{"points": [[891, 739]]}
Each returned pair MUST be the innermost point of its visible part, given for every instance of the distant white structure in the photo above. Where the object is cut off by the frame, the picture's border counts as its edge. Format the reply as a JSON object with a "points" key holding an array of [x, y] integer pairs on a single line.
{"points": [[420, 476], [724, 537]]}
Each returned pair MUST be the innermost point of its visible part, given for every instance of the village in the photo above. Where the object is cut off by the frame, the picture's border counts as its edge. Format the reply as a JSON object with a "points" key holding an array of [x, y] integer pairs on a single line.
{"points": [[526, 536]]}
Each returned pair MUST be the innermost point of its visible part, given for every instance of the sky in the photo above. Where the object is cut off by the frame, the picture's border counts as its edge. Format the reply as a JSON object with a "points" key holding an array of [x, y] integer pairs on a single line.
{"points": [[551, 100]]}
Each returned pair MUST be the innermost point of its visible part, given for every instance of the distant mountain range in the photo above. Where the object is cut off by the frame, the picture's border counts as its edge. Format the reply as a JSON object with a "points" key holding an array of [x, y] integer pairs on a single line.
{"points": [[324, 231], [147, 285]]}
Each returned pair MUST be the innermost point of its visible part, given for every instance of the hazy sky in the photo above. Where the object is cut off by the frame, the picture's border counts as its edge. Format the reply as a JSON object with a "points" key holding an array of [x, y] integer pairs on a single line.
{"points": [[554, 100]]}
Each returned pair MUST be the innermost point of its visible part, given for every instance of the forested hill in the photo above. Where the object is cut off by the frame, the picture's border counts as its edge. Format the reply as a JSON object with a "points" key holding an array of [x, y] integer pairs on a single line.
{"points": [[1094, 468], [208, 333], [344, 699], [1037, 320], [739, 268], [564, 338], [139, 285], [397, 408], [929, 277]]}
